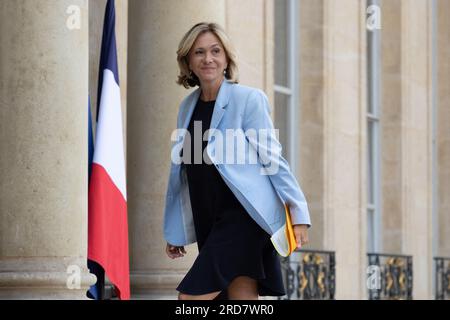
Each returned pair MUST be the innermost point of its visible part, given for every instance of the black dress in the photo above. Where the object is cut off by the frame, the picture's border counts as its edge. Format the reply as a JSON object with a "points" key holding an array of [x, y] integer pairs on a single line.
{"points": [[230, 242]]}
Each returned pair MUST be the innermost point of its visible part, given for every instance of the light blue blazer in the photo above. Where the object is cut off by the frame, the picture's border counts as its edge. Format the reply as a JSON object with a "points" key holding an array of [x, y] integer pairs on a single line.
{"points": [[262, 195]]}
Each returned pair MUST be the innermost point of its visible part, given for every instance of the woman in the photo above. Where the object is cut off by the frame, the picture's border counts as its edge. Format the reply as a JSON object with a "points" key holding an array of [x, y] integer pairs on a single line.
{"points": [[230, 209]]}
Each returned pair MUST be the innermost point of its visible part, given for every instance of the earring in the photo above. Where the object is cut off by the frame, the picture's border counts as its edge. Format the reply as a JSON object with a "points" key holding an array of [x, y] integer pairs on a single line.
{"points": [[225, 71]]}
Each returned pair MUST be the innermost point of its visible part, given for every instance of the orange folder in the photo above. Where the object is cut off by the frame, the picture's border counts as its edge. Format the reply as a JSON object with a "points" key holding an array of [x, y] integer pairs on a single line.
{"points": [[290, 236]]}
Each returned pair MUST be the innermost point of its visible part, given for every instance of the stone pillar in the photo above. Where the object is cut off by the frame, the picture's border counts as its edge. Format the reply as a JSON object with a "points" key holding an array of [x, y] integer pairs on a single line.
{"points": [[416, 164], [390, 124], [344, 168], [43, 150], [311, 115], [155, 29], [406, 135], [443, 129]]}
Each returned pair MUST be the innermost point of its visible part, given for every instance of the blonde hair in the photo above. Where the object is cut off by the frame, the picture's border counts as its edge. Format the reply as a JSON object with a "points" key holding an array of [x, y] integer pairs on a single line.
{"points": [[185, 78]]}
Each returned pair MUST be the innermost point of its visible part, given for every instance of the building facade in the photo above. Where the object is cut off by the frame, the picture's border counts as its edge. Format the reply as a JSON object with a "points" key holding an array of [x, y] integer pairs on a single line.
{"points": [[360, 92]]}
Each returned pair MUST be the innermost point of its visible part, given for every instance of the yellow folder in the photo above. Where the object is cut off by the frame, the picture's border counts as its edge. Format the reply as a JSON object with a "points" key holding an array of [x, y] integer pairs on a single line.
{"points": [[290, 236], [284, 238]]}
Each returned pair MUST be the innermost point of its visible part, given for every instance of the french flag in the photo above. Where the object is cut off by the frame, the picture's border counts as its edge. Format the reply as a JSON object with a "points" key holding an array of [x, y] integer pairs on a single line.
{"points": [[107, 209]]}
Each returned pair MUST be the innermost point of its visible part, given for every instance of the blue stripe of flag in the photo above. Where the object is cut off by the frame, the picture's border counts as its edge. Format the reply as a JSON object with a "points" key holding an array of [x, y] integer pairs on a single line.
{"points": [[108, 55]]}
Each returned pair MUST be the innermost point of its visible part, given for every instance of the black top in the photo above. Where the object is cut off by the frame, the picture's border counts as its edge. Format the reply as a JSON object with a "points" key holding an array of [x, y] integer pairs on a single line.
{"points": [[204, 181]]}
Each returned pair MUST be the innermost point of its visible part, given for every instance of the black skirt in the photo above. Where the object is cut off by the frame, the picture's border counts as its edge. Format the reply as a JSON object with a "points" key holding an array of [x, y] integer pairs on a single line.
{"points": [[229, 241]]}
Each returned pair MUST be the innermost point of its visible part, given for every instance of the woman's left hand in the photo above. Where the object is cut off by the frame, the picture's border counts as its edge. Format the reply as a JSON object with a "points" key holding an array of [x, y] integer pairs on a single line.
{"points": [[301, 234]]}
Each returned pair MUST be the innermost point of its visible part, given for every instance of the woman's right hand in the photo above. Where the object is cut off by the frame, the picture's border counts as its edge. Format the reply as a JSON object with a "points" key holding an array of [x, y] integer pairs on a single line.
{"points": [[175, 251]]}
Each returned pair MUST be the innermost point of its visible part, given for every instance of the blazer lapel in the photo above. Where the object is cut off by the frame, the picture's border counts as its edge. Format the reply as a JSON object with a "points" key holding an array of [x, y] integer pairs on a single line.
{"points": [[190, 106], [220, 107]]}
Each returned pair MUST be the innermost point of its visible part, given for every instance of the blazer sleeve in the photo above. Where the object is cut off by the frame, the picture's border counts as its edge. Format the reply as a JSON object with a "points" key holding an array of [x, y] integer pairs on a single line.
{"points": [[257, 116]]}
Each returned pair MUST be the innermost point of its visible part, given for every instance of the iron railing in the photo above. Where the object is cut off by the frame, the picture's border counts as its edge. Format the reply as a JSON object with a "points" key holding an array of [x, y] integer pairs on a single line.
{"points": [[309, 274], [442, 278], [392, 275]]}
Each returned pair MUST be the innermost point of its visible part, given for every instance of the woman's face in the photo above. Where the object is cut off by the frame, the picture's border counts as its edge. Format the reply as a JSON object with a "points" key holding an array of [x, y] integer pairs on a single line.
{"points": [[207, 58]]}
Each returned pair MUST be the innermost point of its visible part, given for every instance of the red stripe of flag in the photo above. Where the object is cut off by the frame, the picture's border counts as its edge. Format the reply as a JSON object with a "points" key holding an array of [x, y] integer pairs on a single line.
{"points": [[108, 229]]}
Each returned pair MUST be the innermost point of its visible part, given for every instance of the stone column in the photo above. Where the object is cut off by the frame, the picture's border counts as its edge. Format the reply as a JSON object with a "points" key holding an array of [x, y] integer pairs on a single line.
{"points": [[416, 164], [43, 150], [311, 115], [390, 124], [155, 29], [344, 130], [443, 129]]}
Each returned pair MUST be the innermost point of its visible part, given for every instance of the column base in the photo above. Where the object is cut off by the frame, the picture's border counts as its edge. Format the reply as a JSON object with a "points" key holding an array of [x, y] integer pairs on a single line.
{"points": [[41, 278]]}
